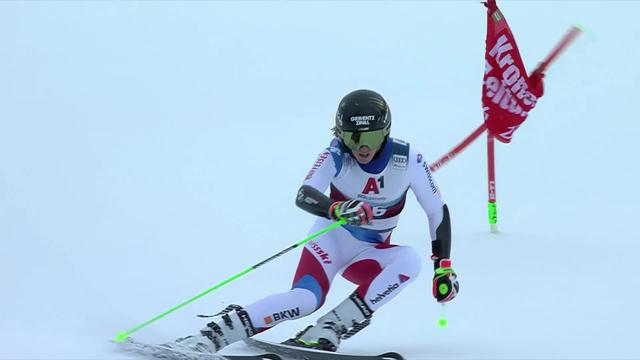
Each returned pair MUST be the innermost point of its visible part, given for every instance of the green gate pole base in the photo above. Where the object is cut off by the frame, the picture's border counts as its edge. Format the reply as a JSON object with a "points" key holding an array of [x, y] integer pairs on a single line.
{"points": [[493, 217]]}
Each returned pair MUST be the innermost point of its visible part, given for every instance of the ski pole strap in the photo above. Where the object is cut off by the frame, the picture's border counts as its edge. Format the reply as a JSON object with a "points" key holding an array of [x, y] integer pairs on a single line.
{"points": [[444, 267], [443, 271]]}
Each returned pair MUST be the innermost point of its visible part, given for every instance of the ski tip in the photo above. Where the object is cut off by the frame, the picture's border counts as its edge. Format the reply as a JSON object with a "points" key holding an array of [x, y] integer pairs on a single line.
{"points": [[271, 357], [122, 336], [578, 27], [391, 356]]}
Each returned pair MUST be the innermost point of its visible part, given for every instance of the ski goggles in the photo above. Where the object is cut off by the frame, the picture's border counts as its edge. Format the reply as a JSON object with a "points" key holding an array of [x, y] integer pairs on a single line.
{"points": [[372, 139]]}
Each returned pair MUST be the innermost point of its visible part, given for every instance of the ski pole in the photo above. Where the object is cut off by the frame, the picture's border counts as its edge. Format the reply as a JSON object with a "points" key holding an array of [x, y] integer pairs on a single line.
{"points": [[125, 334], [442, 320]]}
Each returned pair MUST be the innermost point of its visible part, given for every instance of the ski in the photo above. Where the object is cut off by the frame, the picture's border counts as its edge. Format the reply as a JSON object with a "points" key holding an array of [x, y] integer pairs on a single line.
{"points": [[303, 353], [253, 357], [168, 353]]}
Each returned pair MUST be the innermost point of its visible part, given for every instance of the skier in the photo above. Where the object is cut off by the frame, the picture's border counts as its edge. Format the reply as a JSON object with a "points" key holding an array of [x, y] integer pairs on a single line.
{"points": [[369, 175]]}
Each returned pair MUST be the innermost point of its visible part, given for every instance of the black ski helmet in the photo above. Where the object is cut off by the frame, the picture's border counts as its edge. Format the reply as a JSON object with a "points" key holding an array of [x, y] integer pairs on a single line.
{"points": [[363, 118]]}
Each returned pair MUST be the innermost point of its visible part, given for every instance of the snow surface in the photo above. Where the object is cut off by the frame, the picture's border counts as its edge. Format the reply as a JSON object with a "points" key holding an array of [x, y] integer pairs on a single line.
{"points": [[136, 136]]}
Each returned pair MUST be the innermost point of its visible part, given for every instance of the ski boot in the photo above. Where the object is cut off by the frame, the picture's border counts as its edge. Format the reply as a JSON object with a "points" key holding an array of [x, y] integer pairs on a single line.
{"points": [[234, 325], [345, 320]]}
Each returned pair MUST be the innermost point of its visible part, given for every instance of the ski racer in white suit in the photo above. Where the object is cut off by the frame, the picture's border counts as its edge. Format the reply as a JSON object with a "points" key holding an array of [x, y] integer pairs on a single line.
{"points": [[368, 174]]}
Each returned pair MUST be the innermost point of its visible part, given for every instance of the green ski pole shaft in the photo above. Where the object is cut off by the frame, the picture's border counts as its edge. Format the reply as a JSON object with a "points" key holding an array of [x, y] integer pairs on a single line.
{"points": [[125, 334]]}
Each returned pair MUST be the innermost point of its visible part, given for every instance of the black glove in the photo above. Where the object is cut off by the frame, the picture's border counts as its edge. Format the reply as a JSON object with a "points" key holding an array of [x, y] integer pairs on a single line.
{"points": [[445, 283], [354, 212]]}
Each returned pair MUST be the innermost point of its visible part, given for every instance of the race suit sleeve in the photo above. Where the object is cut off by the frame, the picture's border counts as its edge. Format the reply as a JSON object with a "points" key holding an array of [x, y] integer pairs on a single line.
{"points": [[311, 197], [429, 197]]}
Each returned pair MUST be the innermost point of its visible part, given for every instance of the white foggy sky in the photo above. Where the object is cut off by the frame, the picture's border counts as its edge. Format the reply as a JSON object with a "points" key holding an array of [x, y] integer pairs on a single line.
{"points": [[134, 135]]}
